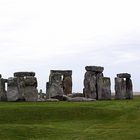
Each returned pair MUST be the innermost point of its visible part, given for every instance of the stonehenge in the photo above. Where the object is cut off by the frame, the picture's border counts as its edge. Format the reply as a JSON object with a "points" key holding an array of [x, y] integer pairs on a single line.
{"points": [[123, 86], [96, 86], [23, 86], [60, 83]]}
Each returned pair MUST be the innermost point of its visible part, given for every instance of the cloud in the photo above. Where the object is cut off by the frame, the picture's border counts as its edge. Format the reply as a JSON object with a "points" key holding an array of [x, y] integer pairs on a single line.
{"points": [[43, 35]]}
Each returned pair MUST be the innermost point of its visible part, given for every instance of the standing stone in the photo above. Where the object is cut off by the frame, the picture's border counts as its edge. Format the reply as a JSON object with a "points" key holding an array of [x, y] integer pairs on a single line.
{"points": [[90, 85], [12, 90], [67, 84], [47, 89], [120, 88], [129, 88], [30, 92], [22, 87], [60, 83], [96, 86], [104, 88], [3, 96], [55, 86], [123, 86]]}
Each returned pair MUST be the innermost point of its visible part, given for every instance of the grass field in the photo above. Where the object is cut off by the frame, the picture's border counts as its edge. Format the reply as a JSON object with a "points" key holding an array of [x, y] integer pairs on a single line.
{"points": [[100, 120]]}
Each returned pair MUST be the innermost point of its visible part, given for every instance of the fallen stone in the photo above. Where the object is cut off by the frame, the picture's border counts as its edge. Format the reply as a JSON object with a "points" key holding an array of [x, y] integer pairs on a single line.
{"points": [[80, 99], [41, 100], [52, 100], [76, 95]]}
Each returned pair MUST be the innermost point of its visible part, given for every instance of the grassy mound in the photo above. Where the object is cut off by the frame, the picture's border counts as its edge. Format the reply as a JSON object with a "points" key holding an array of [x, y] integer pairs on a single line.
{"points": [[100, 120]]}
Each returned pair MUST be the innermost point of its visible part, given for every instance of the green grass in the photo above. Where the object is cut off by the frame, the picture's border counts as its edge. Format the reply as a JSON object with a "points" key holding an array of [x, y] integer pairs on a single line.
{"points": [[100, 120]]}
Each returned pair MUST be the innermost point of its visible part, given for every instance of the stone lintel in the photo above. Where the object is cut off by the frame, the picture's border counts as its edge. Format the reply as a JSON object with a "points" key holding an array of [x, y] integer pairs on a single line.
{"points": [[63, 72], [124, 75], [22, 74], [98, 69]]}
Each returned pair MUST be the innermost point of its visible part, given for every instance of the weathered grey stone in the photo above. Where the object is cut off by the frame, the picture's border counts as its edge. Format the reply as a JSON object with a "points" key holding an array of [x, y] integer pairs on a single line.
{"points": [[67, 85], [80, 99], [90, 85], [47, 88], [60, 83], [55, 90], [94, 68], [120, 88], [55, 86], [21, 87], [62, 72], [3, 96], [22, 74], [123, 86], [12, 90], [30, 81], [30, 90], [129, 89], [31, 94], [75, 95], [104, 88], [52, 100], [41, 100], [124, 75], [96, 86]]}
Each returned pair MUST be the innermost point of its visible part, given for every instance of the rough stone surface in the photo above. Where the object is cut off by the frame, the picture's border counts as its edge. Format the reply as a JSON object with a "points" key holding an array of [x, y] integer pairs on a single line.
{"points": [[96, 86], [124, 75], [129, 89], [62, 72], [120, 88], [3, 96], [94, 68], [41, 100], [22, 87], [22, 74], [90, 86], [60, 83], [67, 85], [123, 86], [30, 91], [76, 95], [52, 100], [80, 99], [31, 94], [104, 88], [12, 90], [55, 88]]}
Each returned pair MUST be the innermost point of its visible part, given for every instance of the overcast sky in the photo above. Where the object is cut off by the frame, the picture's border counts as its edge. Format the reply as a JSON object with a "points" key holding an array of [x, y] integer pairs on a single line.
{"points": [[40, 35]]}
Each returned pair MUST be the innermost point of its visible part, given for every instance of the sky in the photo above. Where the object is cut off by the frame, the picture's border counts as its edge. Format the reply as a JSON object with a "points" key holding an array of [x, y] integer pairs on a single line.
{"points": [[42, 35]]}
